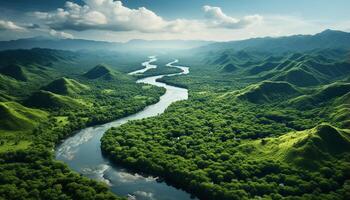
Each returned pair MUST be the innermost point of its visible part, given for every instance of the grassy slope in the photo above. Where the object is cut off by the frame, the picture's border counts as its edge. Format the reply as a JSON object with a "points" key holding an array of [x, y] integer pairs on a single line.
{"points": [[14, 116], [46, 99], [307, 148], [66, 86]]}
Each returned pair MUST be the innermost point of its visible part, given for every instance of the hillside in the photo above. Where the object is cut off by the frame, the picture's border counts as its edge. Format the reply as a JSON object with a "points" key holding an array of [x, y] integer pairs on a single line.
{"points": [[328, 39], [46, 99], [322, 95], [298, 77], [65, 86], [44, 57], [14, 71], [309, 148], [268, 91], [105, 73], [15, 117], [229, 68]]}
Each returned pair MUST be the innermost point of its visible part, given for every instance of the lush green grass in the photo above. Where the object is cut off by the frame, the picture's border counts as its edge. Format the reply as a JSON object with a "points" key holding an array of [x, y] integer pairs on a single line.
{"points": [[16, 117]]}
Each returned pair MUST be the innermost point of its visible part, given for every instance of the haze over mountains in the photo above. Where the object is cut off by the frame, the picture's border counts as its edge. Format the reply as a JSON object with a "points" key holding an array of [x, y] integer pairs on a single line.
{"points": [[325, 39], [81, 44]]}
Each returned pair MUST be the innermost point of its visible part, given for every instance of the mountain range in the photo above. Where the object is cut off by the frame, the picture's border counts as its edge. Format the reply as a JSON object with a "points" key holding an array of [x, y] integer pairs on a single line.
{"points": [[326, 39]]}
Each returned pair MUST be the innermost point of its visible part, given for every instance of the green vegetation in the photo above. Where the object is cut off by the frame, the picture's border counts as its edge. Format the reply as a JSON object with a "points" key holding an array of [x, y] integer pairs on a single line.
{"points": [[255, 126], [36, 113], [66, 86], [268, 92], [14, 116], [14, 71], [266, 118]]}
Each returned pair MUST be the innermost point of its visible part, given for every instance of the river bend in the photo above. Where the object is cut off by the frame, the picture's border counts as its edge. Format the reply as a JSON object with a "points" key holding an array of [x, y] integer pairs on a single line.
{"points": [[82, 152]]}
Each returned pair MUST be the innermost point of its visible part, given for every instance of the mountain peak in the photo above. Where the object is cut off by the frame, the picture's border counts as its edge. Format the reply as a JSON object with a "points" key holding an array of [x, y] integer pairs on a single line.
{"points": [[328, 32], [65, 86], [97, 71]]}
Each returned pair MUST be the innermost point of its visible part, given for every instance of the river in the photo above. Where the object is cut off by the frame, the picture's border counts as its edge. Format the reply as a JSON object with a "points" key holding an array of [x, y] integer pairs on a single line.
{"points": [[82, 152]]}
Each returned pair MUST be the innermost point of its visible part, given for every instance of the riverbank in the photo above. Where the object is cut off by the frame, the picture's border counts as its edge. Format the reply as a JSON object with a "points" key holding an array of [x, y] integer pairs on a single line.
{"points": [[83, 154]]}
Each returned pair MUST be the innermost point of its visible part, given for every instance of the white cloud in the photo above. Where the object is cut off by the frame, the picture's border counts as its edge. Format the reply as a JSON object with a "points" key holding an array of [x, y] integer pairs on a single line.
{"points": [[60, 34], [114, 16], [9, 25], [217, 18], [107, 15]]}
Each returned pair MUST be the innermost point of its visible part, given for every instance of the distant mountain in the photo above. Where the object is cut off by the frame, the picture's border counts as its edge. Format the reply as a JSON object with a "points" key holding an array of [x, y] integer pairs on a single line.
{"points": [[50, 43], [328, 39], [37, 55], [165, 44], [81, 44]]}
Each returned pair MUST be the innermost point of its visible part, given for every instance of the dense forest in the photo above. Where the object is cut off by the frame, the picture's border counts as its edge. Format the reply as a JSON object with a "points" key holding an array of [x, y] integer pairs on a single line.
{"points": [[45, 96], [257, 124]]}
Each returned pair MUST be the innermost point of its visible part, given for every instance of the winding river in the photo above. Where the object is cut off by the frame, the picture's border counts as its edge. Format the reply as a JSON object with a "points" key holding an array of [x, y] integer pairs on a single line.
{"points": [[82, 152]]}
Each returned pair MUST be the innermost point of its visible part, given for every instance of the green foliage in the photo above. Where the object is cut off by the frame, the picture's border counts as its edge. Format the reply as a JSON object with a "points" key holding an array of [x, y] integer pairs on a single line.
{"points": [[32, 174], [242, 134]]}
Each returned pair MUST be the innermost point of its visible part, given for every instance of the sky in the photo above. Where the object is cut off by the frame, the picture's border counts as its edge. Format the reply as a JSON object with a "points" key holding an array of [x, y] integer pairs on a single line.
{"points": [[219, 20]]}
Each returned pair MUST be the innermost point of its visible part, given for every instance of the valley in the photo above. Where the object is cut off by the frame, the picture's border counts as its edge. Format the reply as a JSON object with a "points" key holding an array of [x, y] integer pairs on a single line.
{"points": [[83, 154], [262, 118]]}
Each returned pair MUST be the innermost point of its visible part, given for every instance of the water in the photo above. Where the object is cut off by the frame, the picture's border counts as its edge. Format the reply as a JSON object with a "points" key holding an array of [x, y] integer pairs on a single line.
{"points": [[82, 152], [147, 66]]}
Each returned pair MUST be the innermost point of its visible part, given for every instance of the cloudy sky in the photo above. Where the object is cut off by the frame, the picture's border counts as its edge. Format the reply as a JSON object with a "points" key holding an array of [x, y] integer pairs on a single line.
{"points": [[219, 20]]}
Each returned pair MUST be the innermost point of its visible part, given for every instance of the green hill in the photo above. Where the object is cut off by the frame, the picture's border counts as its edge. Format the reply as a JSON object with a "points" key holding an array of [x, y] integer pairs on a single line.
{"points": [[14, 116], [105, 73], [318, 143], [66, 86], [268, 91], [46, 99], [298, 77], [9, 86], [97, 72], [263, 67], [307, 148], [229, 68], [14, 71], [322, 95]]}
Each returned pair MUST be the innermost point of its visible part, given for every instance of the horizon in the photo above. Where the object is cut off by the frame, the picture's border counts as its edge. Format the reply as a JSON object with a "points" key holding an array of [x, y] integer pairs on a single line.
{"points": [[169, 40], [123, 21]]}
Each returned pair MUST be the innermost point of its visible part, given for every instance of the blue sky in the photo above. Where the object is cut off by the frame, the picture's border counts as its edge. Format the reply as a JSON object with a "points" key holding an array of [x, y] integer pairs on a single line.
{"points": [[219, 20]]}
